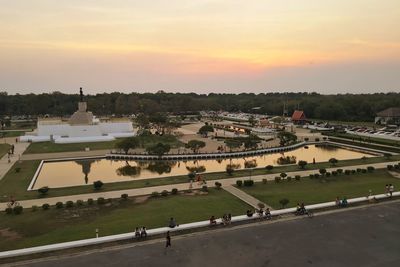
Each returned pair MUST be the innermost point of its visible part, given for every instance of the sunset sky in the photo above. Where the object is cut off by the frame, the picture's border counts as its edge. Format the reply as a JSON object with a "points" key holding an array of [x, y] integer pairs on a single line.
{"points": [[327, 46]]}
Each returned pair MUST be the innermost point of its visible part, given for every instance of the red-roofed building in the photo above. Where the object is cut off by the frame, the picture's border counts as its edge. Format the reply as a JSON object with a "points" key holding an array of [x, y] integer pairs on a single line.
{"points": [[299, 117]]}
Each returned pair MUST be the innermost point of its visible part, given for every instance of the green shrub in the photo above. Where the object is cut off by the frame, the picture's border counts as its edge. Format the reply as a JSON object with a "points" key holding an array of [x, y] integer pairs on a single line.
{"points": [[191, 175], [90, 201], [370, 168], [155, 194], [69, 204], [327, 174], [9, 210], [334, 173], [283, 175], [34, 208], [316, 175], [45, 206], [101, 201], [339, 171], [124, 196], [97, 185], [278, 179], [109, 200], [358, 170], [80, 202], [297, 177], [289, 178], [322, 171], [18, 210], [164, 193], [204, 188], [174, 191], [59, 205], [239, 183], [317, 139], [248, 182], [284, 202], [312, 176], [364, 170], [347, 172], [269, 167], [17, 170], [264, 181], [353, 172], [43, 190], [218, 185], [230, 170]]}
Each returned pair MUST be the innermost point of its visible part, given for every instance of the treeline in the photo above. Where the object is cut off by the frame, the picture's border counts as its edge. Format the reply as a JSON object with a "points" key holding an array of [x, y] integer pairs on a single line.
{"points": [[349, 107]]}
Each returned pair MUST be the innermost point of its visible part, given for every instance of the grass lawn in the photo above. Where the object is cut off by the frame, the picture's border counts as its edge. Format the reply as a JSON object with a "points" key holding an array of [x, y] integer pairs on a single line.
{"points": [[12, 133], [357, 139], [367, 145], [4, 148], [15, 184], [311, 191], [49, 147], [60, 225]]}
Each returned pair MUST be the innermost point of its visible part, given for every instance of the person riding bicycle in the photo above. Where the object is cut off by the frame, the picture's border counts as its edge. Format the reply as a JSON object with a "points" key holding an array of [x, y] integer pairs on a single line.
{"points": [[12, 200]]}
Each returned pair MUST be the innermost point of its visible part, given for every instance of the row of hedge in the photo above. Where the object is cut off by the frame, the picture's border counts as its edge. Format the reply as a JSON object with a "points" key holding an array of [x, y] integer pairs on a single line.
{"points": [[393, 167], [69, 204]]}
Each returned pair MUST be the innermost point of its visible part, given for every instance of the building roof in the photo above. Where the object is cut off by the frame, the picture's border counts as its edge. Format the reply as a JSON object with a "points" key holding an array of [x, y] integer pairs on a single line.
{"points": [[298, 115], [389, 112]]}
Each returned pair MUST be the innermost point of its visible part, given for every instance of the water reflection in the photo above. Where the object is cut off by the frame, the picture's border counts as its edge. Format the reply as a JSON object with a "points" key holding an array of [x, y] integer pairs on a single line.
{"points": [[86, 164], [69, 173], [161, 167], [129, 170]]}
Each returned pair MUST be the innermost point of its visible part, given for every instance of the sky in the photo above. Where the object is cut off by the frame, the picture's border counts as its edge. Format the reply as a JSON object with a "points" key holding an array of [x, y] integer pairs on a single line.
{"points": [[202, 46]]}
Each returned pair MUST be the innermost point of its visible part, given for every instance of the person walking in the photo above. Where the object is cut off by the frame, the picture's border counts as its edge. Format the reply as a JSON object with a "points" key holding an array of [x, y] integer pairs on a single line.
{"points": [[391, 189], [168, 240]]}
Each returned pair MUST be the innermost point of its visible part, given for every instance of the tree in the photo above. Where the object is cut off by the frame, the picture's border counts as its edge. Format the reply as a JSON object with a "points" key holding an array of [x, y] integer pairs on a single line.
{"points": [[232, 144], [286, 138], [333, 161], [302, 164], [158, 149], [195, 145], [322, 171], [142, 120], [160, 121], [127, 144], [283, 175], [284, 202], [252, 120], [205, 129]]}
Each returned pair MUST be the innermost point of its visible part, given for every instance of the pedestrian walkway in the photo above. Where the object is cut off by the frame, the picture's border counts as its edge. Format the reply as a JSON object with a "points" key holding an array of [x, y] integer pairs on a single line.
{"points": [[180, 187], [19, 149], [252, 201], [395, 174]]}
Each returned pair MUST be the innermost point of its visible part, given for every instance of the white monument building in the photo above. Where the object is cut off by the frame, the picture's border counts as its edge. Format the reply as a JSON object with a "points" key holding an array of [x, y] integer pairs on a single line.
{"points": [[81, 127]]}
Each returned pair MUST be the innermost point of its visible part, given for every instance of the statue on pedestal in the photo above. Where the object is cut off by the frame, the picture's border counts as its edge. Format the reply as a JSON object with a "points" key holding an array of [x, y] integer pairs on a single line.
{"points": [[81, 93]]}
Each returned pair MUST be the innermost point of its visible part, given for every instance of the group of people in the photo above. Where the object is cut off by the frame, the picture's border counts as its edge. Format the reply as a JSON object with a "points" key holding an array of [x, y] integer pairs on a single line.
{"points": [[140, 232], [389, 189], [341, 202], [301, 209], [261, 213], [226, 219]]}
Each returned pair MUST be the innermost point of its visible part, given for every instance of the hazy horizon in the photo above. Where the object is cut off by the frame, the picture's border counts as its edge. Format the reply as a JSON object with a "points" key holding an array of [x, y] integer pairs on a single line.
{"points": [[201, 46]]}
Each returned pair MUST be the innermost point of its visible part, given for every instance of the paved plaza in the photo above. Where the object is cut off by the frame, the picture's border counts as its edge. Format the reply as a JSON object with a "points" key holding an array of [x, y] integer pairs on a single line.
{"points": [[366, 236]]}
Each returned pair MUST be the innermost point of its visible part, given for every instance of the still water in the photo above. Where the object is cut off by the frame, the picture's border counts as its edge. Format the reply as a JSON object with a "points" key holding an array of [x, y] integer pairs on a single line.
{"points": [[81, 172]]}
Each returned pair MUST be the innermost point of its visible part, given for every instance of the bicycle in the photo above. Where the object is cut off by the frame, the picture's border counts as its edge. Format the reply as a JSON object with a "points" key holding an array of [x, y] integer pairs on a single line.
{"points": [[13, 204]]}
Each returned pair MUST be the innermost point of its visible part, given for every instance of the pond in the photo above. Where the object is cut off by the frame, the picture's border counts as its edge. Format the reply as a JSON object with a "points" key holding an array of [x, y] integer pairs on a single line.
{"points": [[81, 172]]}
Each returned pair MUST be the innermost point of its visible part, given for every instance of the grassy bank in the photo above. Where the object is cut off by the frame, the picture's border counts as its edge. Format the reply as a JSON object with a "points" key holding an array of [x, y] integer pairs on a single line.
{"points": [[311, 191], [367, 145], [15, 183], [61, 225], [4, 148], [145, 141], [359, 139]]}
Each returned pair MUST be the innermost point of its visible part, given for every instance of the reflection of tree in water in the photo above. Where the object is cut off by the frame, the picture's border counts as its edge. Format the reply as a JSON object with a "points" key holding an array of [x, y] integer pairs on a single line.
{"points": [[86, 164], [327, 147], [161, 167], [128, 170], [196, 168]]}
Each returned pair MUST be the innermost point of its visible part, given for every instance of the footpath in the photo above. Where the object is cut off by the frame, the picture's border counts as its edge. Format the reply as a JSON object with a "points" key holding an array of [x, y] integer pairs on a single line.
{"points": [[19, 149]]}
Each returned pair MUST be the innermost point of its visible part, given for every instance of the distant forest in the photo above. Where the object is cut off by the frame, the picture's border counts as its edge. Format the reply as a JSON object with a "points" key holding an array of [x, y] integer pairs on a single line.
{"points": [[346, 107]]}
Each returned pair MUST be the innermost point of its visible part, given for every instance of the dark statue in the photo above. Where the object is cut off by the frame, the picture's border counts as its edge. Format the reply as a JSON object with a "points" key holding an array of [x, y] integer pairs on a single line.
{"points": [[81, 93]]}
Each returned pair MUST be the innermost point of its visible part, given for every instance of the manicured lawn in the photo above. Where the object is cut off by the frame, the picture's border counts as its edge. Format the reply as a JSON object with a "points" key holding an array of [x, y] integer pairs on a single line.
{"points": [[367, 145], [357, 139], [311, 191], [145, 141], [12, 133], [15, 184], [60, 225], [4, 148]]}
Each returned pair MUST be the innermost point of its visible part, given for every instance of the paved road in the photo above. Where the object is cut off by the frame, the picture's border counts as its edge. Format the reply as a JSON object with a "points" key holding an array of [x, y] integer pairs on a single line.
{"points": [[357, 237]]}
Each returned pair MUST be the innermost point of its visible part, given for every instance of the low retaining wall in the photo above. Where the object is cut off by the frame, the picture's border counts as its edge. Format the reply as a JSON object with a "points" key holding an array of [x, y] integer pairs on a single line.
{"points": [[163, 230]]}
